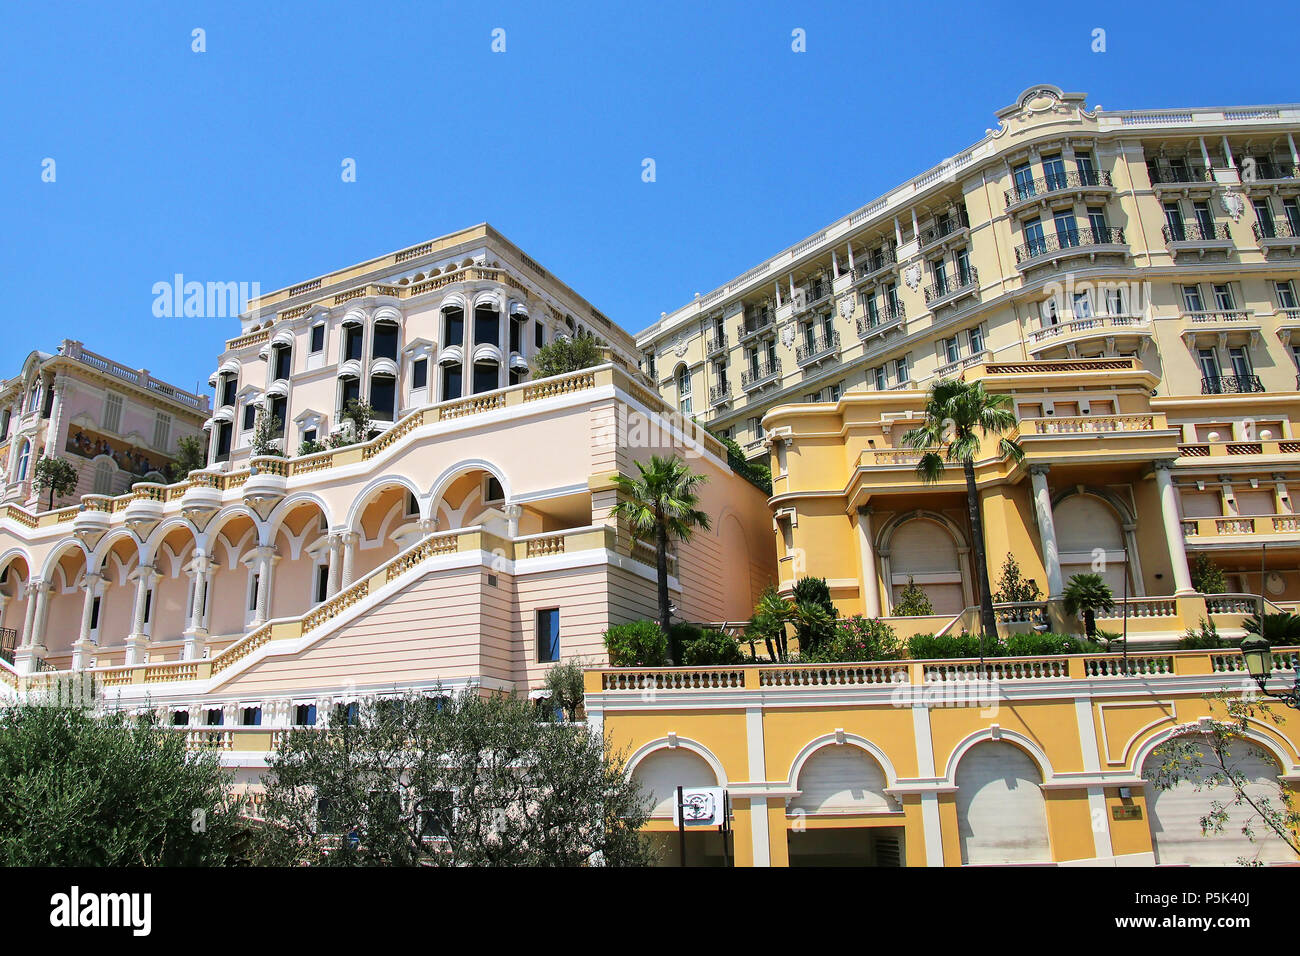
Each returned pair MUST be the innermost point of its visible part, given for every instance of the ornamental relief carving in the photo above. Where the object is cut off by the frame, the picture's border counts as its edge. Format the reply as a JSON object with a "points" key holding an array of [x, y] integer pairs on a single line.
{"points": [[912, 276], [1233, 203]]}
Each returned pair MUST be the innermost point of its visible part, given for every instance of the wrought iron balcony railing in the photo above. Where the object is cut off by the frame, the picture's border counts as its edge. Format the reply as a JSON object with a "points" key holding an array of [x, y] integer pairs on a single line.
{"points": [[816, 347], [1073, 239], [753, 323], [885, 317], [950, 285], [720, 393], [1057, 183], [1264, 172], [760, 373], [1195, 232], [810, 296], [944, 228], [1230, 384], [877, 261], [716, 343], [1177, 175], [1276, 230]]}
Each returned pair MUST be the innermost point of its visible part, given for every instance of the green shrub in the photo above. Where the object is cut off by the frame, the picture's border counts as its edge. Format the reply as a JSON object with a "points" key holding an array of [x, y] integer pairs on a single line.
{"points": [[712, 649], [638, 644], [1207, 577], [926, 646], [913, 602], [1282, 628], [1012, 587], [1034, 644], [814, 613], [1205, 638], [856, 638], [757, 474]]}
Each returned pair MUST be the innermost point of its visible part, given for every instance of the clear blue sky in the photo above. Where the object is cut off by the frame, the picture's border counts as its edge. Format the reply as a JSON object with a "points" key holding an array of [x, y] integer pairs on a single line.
{"points": [[225, 165]]}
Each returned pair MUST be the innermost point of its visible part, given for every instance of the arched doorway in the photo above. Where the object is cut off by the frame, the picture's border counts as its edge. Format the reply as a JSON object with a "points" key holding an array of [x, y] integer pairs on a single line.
{"points": [[660, 774], [925, 551], [1088, 528], [1001, 813], [842, 781], [1176, 836]]}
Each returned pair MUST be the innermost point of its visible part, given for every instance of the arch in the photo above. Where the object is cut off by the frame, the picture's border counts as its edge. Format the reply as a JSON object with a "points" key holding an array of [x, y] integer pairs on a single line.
{"points": [[160, 533], [224, 517], [1175, 813], [997, 733], [1144, 750], [453, 472], [55, 557], [387, 313], [361, 500], [276, 518], [737, 587], [1001, 810], [453, 300], [488, 297], [705, 771], [1088, 519], [930, 549], [835, 759], [107, 543]]}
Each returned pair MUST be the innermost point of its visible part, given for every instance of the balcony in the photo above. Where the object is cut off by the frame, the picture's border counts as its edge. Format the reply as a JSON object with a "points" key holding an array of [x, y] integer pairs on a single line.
{"points": [[1180, 174], [874, 264], [817, 348], [760, 374], [1238, 449], [1230, 384], [716, 343], [1086, 327], [753, 324], [1077, 242], [960, 365], [1277, 235], [1251, 526], [720, 394], [951, 288], [1193, 237], [810, 297], [1262, 173], [1023, 194], [1092, 424], [943, 229], [888, 319]]}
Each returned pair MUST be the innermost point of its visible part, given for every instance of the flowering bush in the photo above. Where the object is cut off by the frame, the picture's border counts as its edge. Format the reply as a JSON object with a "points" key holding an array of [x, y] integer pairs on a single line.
{"points": [[857, 638]]}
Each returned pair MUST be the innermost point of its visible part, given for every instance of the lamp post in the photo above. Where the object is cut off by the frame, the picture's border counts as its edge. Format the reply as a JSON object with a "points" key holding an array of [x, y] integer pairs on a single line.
{"points": [[1258, 655]]}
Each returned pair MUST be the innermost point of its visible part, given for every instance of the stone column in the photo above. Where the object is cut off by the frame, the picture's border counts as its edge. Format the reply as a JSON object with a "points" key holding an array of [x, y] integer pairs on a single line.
{"points": [[264, 559], [512, 513], [90, 584], [138, 641], [32, 647], [867, 550], [196, 633], [56, 414], [349, 556], [1173, 528], [29, 615], [1046, 530], [335, 566]]}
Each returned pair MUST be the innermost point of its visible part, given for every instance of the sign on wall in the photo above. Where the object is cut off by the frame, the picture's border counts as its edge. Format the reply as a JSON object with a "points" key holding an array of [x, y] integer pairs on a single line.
{"points": [[703, 807]]}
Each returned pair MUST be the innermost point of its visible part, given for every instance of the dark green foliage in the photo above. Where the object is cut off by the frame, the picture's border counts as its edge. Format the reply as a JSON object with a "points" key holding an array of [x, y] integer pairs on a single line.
{"points": [[1281, 629], [55, 476], [1032, 644], [1088, 593], [638, 644], [913, 602], [461, 780], [565, 355], [1207, 577], [191, 455], [76, 790], [1206, 638], [760, 476], [815, 613], [565, 683], [712, 648], [1012, 587]]}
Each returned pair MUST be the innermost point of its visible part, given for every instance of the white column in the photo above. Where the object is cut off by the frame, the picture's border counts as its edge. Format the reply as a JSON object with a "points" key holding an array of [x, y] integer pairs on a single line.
{"points": [[137, 642], [870, 583], [349, 556], [212, 439], [29, 615], [264, 559], [512, 513], [89, 584], [4, 603], [195, 631], [42, 616], [335, 566], [1046, 530], [1173, 528]]}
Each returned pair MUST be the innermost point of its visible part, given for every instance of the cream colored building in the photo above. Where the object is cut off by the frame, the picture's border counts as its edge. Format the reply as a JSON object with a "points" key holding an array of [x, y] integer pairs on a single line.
{"points": [[1167, 236]]}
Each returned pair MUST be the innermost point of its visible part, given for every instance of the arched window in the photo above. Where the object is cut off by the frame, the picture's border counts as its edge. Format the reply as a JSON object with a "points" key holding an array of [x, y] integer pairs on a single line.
{"points": [[1001, 813], [24, 460]]}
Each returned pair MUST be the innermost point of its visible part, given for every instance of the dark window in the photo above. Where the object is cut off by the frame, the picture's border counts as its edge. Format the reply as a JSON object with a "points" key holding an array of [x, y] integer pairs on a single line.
{"points": [[283, 359], [385, 341], [317, 339], [148, 604], [383, 395], [351, 391], [228, 385], [347, 713], [322, 582], [351, 342], [215, 717], [252, 717], [494, 492], [516, 330], [451, 381], [539, 335], [309, 435], [223, 441], [278, 405], [485, 376], [252, 594], [250, 416], [420, 373], [180, 718], [94, 614], [487, 327], [304, 715], [453, 328], [548, 635]]}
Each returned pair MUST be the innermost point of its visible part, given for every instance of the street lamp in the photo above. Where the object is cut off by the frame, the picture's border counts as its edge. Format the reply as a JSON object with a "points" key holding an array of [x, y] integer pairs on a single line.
{"points": [[1256, 652]]}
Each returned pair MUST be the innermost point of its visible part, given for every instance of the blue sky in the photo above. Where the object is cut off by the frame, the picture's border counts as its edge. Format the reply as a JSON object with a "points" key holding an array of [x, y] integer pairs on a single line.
{"points": [[225, 165]]}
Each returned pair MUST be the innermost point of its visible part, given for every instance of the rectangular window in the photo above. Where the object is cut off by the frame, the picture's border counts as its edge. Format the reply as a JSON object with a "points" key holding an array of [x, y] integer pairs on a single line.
{"points": [[901, 373], [950, 349], [252, 593], [1097, 223], [548, 635], [251, 717], [1264, 213], [1024, 177], [1292, 209], [451, 381], [113, 412], [347, 713], [1223, 300], [162, 431], [1209, 362], [1035, 243], [1087, 173], [833, 392], [420, 373], [250, 416], [1192, 299], [1285, 294], [180, 718], [1082, 305], [1174, 220], [215, 717], [352, 343], [756, 427], [317, 339], [322, 582], [1054, 172], [961, 259], [148, 605], [453, 328], [882, 378], [309, 435], [304, 715], [94, 614], [1067, 230], [1204, 218], [539, 340], [487, 327], [1240, 362], [976, 340]]}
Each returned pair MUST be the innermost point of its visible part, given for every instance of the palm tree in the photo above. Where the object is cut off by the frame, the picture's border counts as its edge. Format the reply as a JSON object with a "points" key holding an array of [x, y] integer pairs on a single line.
{"points": [[958, 415], [1088, 593], [659, 505]]}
